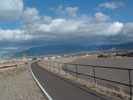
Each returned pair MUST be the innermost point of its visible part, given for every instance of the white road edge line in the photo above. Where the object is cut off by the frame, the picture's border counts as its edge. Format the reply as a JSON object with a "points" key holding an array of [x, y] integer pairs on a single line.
{"points": [[44, 91]]}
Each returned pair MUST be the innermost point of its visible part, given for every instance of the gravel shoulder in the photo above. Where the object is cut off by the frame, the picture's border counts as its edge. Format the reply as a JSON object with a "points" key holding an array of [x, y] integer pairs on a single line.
{"points": [[18, 84]]}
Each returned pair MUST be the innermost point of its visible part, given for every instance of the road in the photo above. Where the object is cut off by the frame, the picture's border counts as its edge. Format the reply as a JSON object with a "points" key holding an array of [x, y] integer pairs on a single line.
{"points": [[62, 89]]}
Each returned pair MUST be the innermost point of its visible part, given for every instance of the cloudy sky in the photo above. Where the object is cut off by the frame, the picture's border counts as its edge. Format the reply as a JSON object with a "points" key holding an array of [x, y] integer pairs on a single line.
{"points": [[29, 23]]}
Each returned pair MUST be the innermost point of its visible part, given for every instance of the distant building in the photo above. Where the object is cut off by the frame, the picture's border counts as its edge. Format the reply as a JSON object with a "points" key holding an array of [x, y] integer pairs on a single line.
{"points": [[58, 56], [45, 58], [53, 57]]}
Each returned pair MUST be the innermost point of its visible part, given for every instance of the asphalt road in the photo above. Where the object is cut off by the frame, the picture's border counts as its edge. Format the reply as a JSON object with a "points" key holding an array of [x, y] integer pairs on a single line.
{"points": [[62, 89]]}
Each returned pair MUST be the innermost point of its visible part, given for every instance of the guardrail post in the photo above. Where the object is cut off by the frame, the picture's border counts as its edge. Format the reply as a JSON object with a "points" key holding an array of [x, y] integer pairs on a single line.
{"points": [[76, 71], [130, 83], [94, 75]]}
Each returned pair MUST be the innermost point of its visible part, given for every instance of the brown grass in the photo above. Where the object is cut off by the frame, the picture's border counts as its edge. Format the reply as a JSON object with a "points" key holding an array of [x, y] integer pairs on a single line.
{"points": [[13, 71]]}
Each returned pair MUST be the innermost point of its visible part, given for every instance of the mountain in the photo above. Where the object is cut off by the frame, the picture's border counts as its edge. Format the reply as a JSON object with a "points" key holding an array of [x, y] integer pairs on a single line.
{"points": [[53, 49], [64, 49]]}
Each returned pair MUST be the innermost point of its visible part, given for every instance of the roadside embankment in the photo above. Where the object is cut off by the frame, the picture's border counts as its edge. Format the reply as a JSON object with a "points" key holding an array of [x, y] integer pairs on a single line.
{"points": [[18, 84]]}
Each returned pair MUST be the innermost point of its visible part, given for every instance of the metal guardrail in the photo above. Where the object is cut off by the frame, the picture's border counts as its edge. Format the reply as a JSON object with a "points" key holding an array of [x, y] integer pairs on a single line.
{"points": [[94, 76], [7, 67]]}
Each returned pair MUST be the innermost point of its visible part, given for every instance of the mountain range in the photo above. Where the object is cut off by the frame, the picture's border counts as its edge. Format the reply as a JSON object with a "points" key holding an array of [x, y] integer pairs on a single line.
{"points": [[64, 49]]}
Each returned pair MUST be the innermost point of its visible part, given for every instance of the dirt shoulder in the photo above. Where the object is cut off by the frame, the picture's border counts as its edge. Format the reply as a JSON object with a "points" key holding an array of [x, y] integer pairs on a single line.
{"points": [[18, 84]]}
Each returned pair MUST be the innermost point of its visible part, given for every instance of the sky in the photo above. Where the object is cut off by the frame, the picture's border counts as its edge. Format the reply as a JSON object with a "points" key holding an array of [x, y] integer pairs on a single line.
{"points": [[30, 23]]}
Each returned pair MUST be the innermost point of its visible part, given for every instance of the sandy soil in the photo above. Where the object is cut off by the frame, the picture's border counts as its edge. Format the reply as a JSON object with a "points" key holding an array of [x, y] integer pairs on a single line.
{"points": [[18, 84]]}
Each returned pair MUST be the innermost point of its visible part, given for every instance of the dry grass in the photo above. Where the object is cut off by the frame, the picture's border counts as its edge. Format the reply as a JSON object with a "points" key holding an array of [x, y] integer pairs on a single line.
{"points": [[13, 71], [18, 84]]}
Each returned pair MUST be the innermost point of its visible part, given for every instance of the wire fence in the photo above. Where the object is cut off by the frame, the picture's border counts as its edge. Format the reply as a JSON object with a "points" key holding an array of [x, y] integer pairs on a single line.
{"points": [[110, 77]]}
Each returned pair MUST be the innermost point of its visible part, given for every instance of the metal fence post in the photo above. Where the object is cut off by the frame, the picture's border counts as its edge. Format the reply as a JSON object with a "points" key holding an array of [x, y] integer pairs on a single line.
{"points": [[53, 66], [76, 71], [130, 83], [50, 65], [66, 69], [94, 75], [58, 67]]}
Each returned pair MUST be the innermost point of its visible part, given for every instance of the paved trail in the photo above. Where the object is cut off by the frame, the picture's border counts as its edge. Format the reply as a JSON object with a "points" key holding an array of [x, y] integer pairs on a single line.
{"points": [[62, 89]]}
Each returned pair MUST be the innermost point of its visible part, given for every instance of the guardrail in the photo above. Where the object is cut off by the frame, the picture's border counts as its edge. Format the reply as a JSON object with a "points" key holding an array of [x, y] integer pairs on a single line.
{"points": [[7, 67], [67, 67]]}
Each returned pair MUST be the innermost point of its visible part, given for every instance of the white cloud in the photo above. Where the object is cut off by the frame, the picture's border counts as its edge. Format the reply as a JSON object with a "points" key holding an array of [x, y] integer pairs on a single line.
{"points": [[112, 5], [100, 29], [59, 10], [128, 28], [30, 16], [101, 17], [72, 11], [115, 28], [75, 27], [14, 35], [47, 19], [60, 27], [10, 9]]}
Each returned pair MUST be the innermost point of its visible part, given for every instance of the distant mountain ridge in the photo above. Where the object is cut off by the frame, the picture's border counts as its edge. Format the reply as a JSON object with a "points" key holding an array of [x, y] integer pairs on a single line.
{"points": [[64, 49]]}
